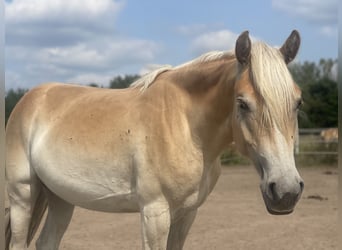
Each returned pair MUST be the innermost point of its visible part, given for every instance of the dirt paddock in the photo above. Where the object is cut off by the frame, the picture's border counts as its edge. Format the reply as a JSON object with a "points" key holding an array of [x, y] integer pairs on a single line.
{"points": [[233, 217]]}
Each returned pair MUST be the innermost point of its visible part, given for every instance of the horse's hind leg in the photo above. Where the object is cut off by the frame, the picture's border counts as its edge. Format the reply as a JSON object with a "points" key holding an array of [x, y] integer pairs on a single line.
{"points": [[57, 221], [179, 230], [20, 213], [23, 188]]}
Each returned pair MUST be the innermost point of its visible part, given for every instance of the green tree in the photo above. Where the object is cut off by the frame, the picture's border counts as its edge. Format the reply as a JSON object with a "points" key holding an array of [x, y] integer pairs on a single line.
{"points": [[120, 82], [305, 73], [320, 103], [319, 93], [95, 85], [11, 99], [326, 66]]}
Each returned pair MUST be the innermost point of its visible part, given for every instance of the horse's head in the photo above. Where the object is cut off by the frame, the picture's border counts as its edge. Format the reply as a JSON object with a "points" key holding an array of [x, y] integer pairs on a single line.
{"points": [[265, 118]]}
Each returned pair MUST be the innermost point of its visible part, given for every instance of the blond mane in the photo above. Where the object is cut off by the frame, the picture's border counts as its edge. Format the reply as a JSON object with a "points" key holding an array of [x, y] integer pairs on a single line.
{"points": [[273, 81], [147, 80]]}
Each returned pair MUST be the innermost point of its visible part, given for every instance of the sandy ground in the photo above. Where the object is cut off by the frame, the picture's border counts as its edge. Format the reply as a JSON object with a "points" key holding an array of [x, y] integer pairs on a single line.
{"points": [[233, 217]]}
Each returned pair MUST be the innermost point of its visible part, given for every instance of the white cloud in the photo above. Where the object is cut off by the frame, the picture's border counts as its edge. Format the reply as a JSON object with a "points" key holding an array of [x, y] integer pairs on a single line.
{"points": [[328, 31], [197, 29], [69, 40], [13, 78], [215, 40], [43, 23], [191, 29], [320, 13], [47, 10], [77, 62], [103, 55], [316, 11]]}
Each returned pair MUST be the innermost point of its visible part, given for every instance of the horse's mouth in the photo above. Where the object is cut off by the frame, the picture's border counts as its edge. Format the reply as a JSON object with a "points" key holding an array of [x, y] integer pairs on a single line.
{"points": [[274, 212], [278, 207]]}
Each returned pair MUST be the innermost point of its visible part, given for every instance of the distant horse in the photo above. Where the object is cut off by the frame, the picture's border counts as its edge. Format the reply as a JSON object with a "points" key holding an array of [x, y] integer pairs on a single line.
{"points": [[154, 147], [329, 135]]}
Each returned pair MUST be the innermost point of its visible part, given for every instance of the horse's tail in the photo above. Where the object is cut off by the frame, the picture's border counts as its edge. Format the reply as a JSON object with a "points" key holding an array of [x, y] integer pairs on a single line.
{"points": [[39, 209], [8, 232], [37, 215]]}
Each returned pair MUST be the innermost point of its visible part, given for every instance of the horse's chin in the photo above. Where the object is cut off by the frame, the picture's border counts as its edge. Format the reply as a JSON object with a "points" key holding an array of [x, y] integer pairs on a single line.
{"points": [[274, 212]]}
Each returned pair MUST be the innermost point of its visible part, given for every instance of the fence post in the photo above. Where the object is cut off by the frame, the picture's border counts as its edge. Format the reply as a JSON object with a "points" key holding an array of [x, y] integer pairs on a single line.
{"points": [[297, 143]]}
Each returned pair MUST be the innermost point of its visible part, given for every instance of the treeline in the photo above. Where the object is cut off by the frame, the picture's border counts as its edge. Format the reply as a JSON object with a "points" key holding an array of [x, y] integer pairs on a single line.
{"points": [[319, 91], [317, 81]]}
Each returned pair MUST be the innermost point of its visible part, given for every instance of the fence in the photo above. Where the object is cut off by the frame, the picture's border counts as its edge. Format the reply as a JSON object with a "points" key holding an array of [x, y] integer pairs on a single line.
{"points": [[310, 149], [314, 147]]}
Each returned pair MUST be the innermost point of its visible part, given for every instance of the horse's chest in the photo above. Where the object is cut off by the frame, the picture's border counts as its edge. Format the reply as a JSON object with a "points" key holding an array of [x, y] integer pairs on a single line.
{"points": [[205, 186]]}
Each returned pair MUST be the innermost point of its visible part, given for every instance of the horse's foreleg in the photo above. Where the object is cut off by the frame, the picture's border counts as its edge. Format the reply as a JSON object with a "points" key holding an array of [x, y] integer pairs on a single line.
{"points": [[179, 230], [57, 221], [155, 225]]}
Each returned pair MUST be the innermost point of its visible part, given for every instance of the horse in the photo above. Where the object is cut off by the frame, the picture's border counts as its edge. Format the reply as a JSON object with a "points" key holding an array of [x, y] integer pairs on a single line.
{"points": [[329, 135], [155, 146]]}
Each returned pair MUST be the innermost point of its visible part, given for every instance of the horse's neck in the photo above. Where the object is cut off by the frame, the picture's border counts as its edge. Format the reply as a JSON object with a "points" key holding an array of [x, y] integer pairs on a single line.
{"points": [[201, 78], [210, 87]]}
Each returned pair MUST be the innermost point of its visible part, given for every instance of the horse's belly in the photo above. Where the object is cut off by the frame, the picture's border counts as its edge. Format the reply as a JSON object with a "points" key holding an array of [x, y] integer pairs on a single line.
{"points": [[112, 203], [102, 188], [95, 196]]}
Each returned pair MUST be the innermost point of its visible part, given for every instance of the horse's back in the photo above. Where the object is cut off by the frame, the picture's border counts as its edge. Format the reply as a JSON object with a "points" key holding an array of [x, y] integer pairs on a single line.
{"points": [[50, 103]]}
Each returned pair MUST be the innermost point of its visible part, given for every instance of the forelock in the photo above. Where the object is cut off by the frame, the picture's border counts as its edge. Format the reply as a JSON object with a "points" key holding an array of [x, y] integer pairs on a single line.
{"points": [[273, 83]]}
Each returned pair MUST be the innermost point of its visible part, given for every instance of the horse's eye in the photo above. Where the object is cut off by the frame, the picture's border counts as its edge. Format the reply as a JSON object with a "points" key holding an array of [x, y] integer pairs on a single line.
{"points": [[243, 105], [299, 104]]}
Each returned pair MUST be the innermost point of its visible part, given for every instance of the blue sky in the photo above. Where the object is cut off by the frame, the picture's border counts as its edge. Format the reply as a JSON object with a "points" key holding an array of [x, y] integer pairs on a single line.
{"points": [[84, 41]]}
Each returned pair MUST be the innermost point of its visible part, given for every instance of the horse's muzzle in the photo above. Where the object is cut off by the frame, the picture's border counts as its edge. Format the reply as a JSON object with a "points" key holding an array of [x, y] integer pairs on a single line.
{"points": [[280, 202]]}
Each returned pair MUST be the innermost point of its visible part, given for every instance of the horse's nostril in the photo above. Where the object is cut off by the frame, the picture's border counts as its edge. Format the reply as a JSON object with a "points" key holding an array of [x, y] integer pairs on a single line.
{"points": [[271, 187], [301, 183]]}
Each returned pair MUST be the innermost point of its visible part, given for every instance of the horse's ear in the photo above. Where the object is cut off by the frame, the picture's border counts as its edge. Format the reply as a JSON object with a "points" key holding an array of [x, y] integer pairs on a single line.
{"points": [[291, 46], [243, 48]]}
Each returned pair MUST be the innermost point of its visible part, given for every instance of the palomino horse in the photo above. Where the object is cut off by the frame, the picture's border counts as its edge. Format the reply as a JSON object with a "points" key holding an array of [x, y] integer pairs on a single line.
{"points": [[329, 135], [155, 147]]}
